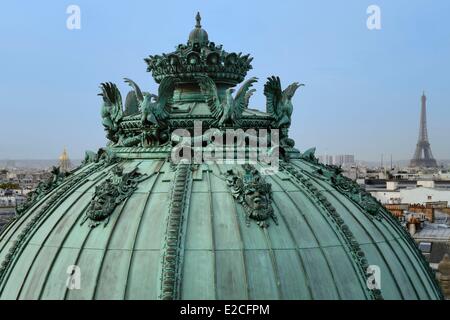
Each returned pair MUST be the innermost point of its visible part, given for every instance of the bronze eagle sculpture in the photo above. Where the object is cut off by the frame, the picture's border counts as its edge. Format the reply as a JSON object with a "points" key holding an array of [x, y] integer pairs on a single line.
{"points": [[278, 102], [229, 110], [111, 111], [153, 107]]}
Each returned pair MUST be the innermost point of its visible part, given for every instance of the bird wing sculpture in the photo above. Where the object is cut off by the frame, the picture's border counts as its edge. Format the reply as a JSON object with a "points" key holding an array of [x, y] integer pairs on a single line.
{"points": [[229, 109], [131, 104], [153, 107], [272, 91], [145, 102], [247, 97], [165, 92], [288, 93], [112, 111], [137, 90], [112, 102], [209, 90], [241, 99], [278, 102]]}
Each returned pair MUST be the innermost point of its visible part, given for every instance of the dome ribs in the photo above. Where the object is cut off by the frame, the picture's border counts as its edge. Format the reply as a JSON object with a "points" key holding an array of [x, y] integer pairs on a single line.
{"points": [[171, 261], [355, 249], [371, 208], [317, 239], [390, 220], [55, 257], [21, 239], [400, 285]]}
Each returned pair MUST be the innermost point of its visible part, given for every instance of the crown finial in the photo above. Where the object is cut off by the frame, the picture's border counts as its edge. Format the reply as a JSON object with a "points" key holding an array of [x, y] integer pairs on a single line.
{"points": [[198, 18]]}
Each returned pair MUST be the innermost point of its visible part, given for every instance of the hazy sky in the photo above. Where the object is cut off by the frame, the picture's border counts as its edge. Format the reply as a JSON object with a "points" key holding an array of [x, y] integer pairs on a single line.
{"points": [[363, 87]]}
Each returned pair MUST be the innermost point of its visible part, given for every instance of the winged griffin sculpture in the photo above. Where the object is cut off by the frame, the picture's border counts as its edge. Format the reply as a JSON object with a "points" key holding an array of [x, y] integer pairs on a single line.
{"points": [[111, 111], [228, 110], [153, 107], [278, 102]]}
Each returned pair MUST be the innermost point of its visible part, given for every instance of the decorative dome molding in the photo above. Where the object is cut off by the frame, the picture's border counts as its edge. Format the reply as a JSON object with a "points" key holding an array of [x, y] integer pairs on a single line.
{"points": [[200, 56], [181, 234]]}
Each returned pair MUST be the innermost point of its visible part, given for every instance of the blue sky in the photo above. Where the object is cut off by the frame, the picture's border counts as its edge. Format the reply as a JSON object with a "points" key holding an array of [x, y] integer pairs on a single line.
{"points": [[363, 87]]}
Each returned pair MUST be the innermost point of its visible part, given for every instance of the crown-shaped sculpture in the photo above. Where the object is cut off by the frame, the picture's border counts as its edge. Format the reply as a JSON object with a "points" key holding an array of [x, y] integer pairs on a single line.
{"points": [[199, 57], [195, 93]]}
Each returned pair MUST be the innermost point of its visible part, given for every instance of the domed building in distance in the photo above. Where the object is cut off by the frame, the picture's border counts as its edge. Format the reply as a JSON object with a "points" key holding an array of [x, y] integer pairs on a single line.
{"points": [[159, 214]]}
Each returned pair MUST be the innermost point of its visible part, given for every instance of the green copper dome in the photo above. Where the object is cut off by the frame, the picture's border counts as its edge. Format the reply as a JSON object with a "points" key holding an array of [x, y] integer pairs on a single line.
{"points": [[134, 223]]}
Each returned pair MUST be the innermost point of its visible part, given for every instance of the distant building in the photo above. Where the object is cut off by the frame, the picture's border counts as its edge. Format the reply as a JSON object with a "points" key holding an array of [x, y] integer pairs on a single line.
{"points": [[424, 192], [64, 162], [344, 160], [326, 159], [429, 225], [434, 241], [423, 209], [338, 160], [423, 157]]}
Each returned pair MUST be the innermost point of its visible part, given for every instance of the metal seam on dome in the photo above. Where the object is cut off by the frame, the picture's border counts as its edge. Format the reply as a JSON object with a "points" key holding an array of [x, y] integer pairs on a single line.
{"points": [[396, 239], [377, 247], [297, 251], [80, 249], [64, 239], [398, 284], [55, 197], [158, 171], [320, 247], [171, 248], [213, 234], [358, 254], [414, 247], [197, 250], [239, 231], [312, 233], [375, 243], [113, 228], [273, 262], [345, 186], [388, 243], [37, 253], [100, 176], [354, 247], [389, 219]]}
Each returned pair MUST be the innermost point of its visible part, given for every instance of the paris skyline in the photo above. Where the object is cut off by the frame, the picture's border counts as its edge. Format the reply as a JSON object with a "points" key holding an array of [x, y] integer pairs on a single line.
{"points": [[362, 93]]}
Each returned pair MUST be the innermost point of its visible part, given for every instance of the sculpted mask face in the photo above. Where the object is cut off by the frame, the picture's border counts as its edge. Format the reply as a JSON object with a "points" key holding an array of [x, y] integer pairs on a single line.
{"points": [[118, 170], [257, 199]]}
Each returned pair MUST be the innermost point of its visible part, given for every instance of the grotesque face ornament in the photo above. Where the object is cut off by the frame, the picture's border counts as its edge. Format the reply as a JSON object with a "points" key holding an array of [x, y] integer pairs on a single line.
{"points": [[117, 187], [253, 193]]}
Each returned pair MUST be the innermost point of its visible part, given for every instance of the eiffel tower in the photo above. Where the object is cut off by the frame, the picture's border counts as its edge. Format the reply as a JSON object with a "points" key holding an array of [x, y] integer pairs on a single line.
{"points": [[423, 156]]}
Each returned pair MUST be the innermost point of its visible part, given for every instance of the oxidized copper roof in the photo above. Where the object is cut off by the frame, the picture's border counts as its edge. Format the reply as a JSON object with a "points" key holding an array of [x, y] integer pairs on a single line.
{"points": [[306, 256], [140, 226]]}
